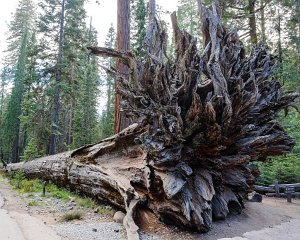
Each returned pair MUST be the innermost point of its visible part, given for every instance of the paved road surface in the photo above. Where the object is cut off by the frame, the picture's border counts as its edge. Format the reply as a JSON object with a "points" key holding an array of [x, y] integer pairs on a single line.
{"points": [[17, 226], [285, 231]]}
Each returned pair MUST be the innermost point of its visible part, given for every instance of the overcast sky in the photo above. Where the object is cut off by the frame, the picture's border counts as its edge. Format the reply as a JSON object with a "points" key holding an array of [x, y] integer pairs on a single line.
{"points": [[103, 15]]}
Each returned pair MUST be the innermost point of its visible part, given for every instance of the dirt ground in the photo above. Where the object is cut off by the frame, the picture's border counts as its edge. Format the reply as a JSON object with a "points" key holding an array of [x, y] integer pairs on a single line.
{"points": [[273, 217]]}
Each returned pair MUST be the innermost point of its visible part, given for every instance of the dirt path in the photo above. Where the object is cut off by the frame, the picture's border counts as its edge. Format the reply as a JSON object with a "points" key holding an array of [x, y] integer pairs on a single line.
{"points": [[274, 219]]}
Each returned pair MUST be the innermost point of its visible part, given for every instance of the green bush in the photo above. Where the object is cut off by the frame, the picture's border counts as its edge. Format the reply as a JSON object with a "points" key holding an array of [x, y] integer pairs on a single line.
{"points": [[57, 192], [72, 216], [285, 169], [85, 202]]}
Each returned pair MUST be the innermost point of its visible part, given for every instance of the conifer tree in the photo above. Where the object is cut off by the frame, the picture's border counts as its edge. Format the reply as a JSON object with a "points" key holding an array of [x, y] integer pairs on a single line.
{"points": [[107, 118], [188, 16], [85, 129], [13, 112], [138, 26]]}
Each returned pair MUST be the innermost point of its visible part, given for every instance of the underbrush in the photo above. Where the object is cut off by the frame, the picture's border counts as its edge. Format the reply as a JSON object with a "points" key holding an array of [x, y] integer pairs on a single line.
{"points": [[31, 186], [72, 216], [85, 202]]}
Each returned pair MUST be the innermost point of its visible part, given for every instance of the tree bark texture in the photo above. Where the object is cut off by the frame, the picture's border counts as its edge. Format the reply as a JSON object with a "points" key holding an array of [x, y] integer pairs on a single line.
{"points": [[201, 120], [123, 40]]}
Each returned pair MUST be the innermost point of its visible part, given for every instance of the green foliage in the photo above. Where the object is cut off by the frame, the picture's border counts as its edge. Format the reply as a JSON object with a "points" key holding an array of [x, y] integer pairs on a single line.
{"points": [[105, 211], [35, 203], [107, 117], [16, 179], [85, 202], [31, 151], [138, 27], [13, 112], [188, 17], [60, 193], [285, 169]]}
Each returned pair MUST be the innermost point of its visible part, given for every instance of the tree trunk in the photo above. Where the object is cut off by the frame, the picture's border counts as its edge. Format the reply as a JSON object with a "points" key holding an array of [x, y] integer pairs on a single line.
{"points": [[263, 22], [57, 87], [279, 38], [252, 21], [152, 8], [201, 120], [123, 36]]}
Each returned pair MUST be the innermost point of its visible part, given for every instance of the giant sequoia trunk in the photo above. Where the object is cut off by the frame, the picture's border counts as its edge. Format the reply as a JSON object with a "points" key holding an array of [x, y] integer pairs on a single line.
{"points": [[201, 121]]}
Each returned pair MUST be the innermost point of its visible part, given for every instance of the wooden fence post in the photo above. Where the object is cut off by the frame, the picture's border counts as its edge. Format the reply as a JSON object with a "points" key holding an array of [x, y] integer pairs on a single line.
{"points": [[289, 192], [276, 186], [44, 188]]}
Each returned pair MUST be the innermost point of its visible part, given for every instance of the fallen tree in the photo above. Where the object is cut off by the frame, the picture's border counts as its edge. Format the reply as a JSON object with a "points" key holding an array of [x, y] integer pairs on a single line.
{"points": [[200, 122]]}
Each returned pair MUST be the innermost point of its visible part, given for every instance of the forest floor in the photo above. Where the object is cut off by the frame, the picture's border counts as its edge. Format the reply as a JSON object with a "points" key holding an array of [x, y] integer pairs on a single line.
{"points": [[32, 217]]}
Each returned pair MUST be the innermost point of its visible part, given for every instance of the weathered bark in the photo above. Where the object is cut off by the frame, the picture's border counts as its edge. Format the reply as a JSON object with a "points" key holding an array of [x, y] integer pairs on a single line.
{"points": [[123, 36], [200, 122]]}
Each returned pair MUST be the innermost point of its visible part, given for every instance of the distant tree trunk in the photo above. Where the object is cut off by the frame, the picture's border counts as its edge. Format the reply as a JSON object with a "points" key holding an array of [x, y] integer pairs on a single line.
{"points": [[152, 9], [70, 129], [263, 22], [252, 21], [298, 46], [56, 100], [279, 38], [123, 35], [71, 113]]}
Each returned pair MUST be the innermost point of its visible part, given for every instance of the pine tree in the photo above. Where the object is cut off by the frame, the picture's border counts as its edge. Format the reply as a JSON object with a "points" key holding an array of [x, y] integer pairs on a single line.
{"points": [[107, 118], [14, 111], [5, 74], [23, 18], [57, 85], [85, 129], [35, 114], [15, 61], [138, 26], [188, 17]]}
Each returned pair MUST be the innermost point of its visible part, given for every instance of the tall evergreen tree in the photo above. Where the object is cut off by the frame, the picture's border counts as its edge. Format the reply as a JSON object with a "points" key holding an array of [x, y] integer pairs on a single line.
{"points": [[85, 130], [138, 26], [14, 110], [23, 18], [107, 118], [188, 17], [57, 85]]}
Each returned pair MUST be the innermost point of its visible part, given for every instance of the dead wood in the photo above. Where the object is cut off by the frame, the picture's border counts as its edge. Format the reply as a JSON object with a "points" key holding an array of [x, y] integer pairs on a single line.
{"points": [[201, 120]]}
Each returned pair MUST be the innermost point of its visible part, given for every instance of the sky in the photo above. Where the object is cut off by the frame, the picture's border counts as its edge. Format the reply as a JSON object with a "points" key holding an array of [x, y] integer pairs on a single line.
{"points": [[102, 14]]}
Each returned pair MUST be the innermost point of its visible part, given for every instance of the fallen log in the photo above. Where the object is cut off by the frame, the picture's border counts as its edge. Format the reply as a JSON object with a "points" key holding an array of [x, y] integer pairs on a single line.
{"points": [[264, 189], [283, 195], [201, 119]]}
